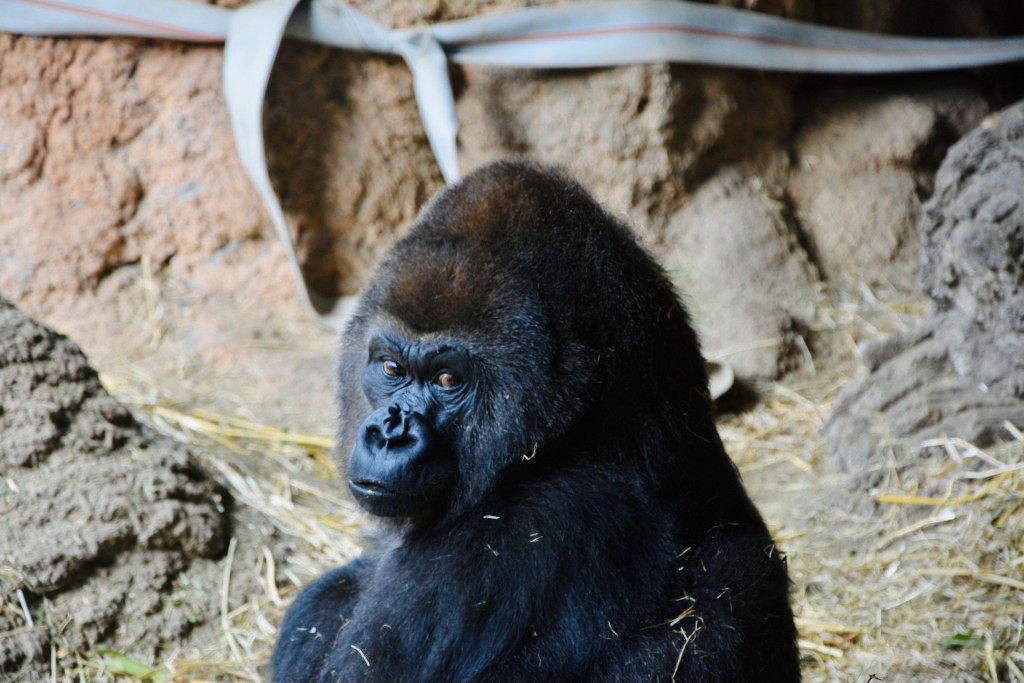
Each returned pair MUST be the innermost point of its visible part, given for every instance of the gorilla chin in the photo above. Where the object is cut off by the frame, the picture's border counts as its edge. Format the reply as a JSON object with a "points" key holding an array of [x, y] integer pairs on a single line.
{"points": [[525, 407]]}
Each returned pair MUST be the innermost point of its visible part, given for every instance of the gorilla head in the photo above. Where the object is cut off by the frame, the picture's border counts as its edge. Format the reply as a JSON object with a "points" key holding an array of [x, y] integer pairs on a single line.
{"points": [[514, 307], [524, 402]]}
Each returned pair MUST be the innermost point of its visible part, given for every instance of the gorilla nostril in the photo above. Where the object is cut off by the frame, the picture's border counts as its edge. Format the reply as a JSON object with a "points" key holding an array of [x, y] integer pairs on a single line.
{"points": [[394, 425], [373, 437], [393, 422]]}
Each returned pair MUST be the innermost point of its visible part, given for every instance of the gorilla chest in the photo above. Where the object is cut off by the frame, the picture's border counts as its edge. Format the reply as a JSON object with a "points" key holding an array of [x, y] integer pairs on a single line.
{"points": [[446, 619]]}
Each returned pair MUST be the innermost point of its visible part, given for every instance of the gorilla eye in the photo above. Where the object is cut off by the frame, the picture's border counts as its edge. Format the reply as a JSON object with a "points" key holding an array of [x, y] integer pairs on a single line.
{"points": [[393, 369], [447, 380]]}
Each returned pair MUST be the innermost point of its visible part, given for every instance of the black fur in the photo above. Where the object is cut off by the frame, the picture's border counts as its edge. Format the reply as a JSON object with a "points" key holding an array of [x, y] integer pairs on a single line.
{"points": [[597, 529]]}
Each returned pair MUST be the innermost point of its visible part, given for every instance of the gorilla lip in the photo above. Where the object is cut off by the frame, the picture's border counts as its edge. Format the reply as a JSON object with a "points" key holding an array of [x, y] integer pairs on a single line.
{"points": [[382, 501], [372, 488]]}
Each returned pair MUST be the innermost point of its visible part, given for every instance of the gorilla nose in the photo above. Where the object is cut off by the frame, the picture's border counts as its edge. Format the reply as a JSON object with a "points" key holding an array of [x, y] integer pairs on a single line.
{"points": [[395, 427]]}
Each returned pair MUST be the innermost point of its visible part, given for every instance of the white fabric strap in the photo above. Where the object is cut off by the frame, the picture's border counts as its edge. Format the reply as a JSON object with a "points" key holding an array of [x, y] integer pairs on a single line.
{"points": [[613, 33], [173, 19]]}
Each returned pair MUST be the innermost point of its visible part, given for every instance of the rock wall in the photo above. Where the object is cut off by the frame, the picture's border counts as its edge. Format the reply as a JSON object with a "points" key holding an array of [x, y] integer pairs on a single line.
{"points": [[961, 372], [115, 150]]}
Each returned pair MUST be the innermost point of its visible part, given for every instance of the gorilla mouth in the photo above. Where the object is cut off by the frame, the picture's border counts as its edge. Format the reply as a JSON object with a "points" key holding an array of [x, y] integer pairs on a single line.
{"points": [[383, 501], [372, 489]]}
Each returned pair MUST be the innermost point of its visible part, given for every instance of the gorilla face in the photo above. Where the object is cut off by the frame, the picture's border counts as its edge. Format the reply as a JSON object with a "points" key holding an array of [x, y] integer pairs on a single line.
{"points": [[404, 461]]}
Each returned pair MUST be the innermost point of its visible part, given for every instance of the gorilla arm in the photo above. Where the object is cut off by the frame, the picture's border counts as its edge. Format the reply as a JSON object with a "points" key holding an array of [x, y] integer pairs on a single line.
{"points": [[720, 615], [311, 625]]}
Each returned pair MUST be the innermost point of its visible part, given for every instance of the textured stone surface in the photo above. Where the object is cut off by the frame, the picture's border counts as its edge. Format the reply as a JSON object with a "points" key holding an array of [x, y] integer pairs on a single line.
{"points": [[864, 159], [100, 516], [122, 148], [749, 284], [973, 266], [961, 372]]}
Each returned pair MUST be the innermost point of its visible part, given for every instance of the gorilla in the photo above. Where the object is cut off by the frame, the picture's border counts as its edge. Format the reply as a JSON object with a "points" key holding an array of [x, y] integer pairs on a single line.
{"points": [[526, 409]]}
